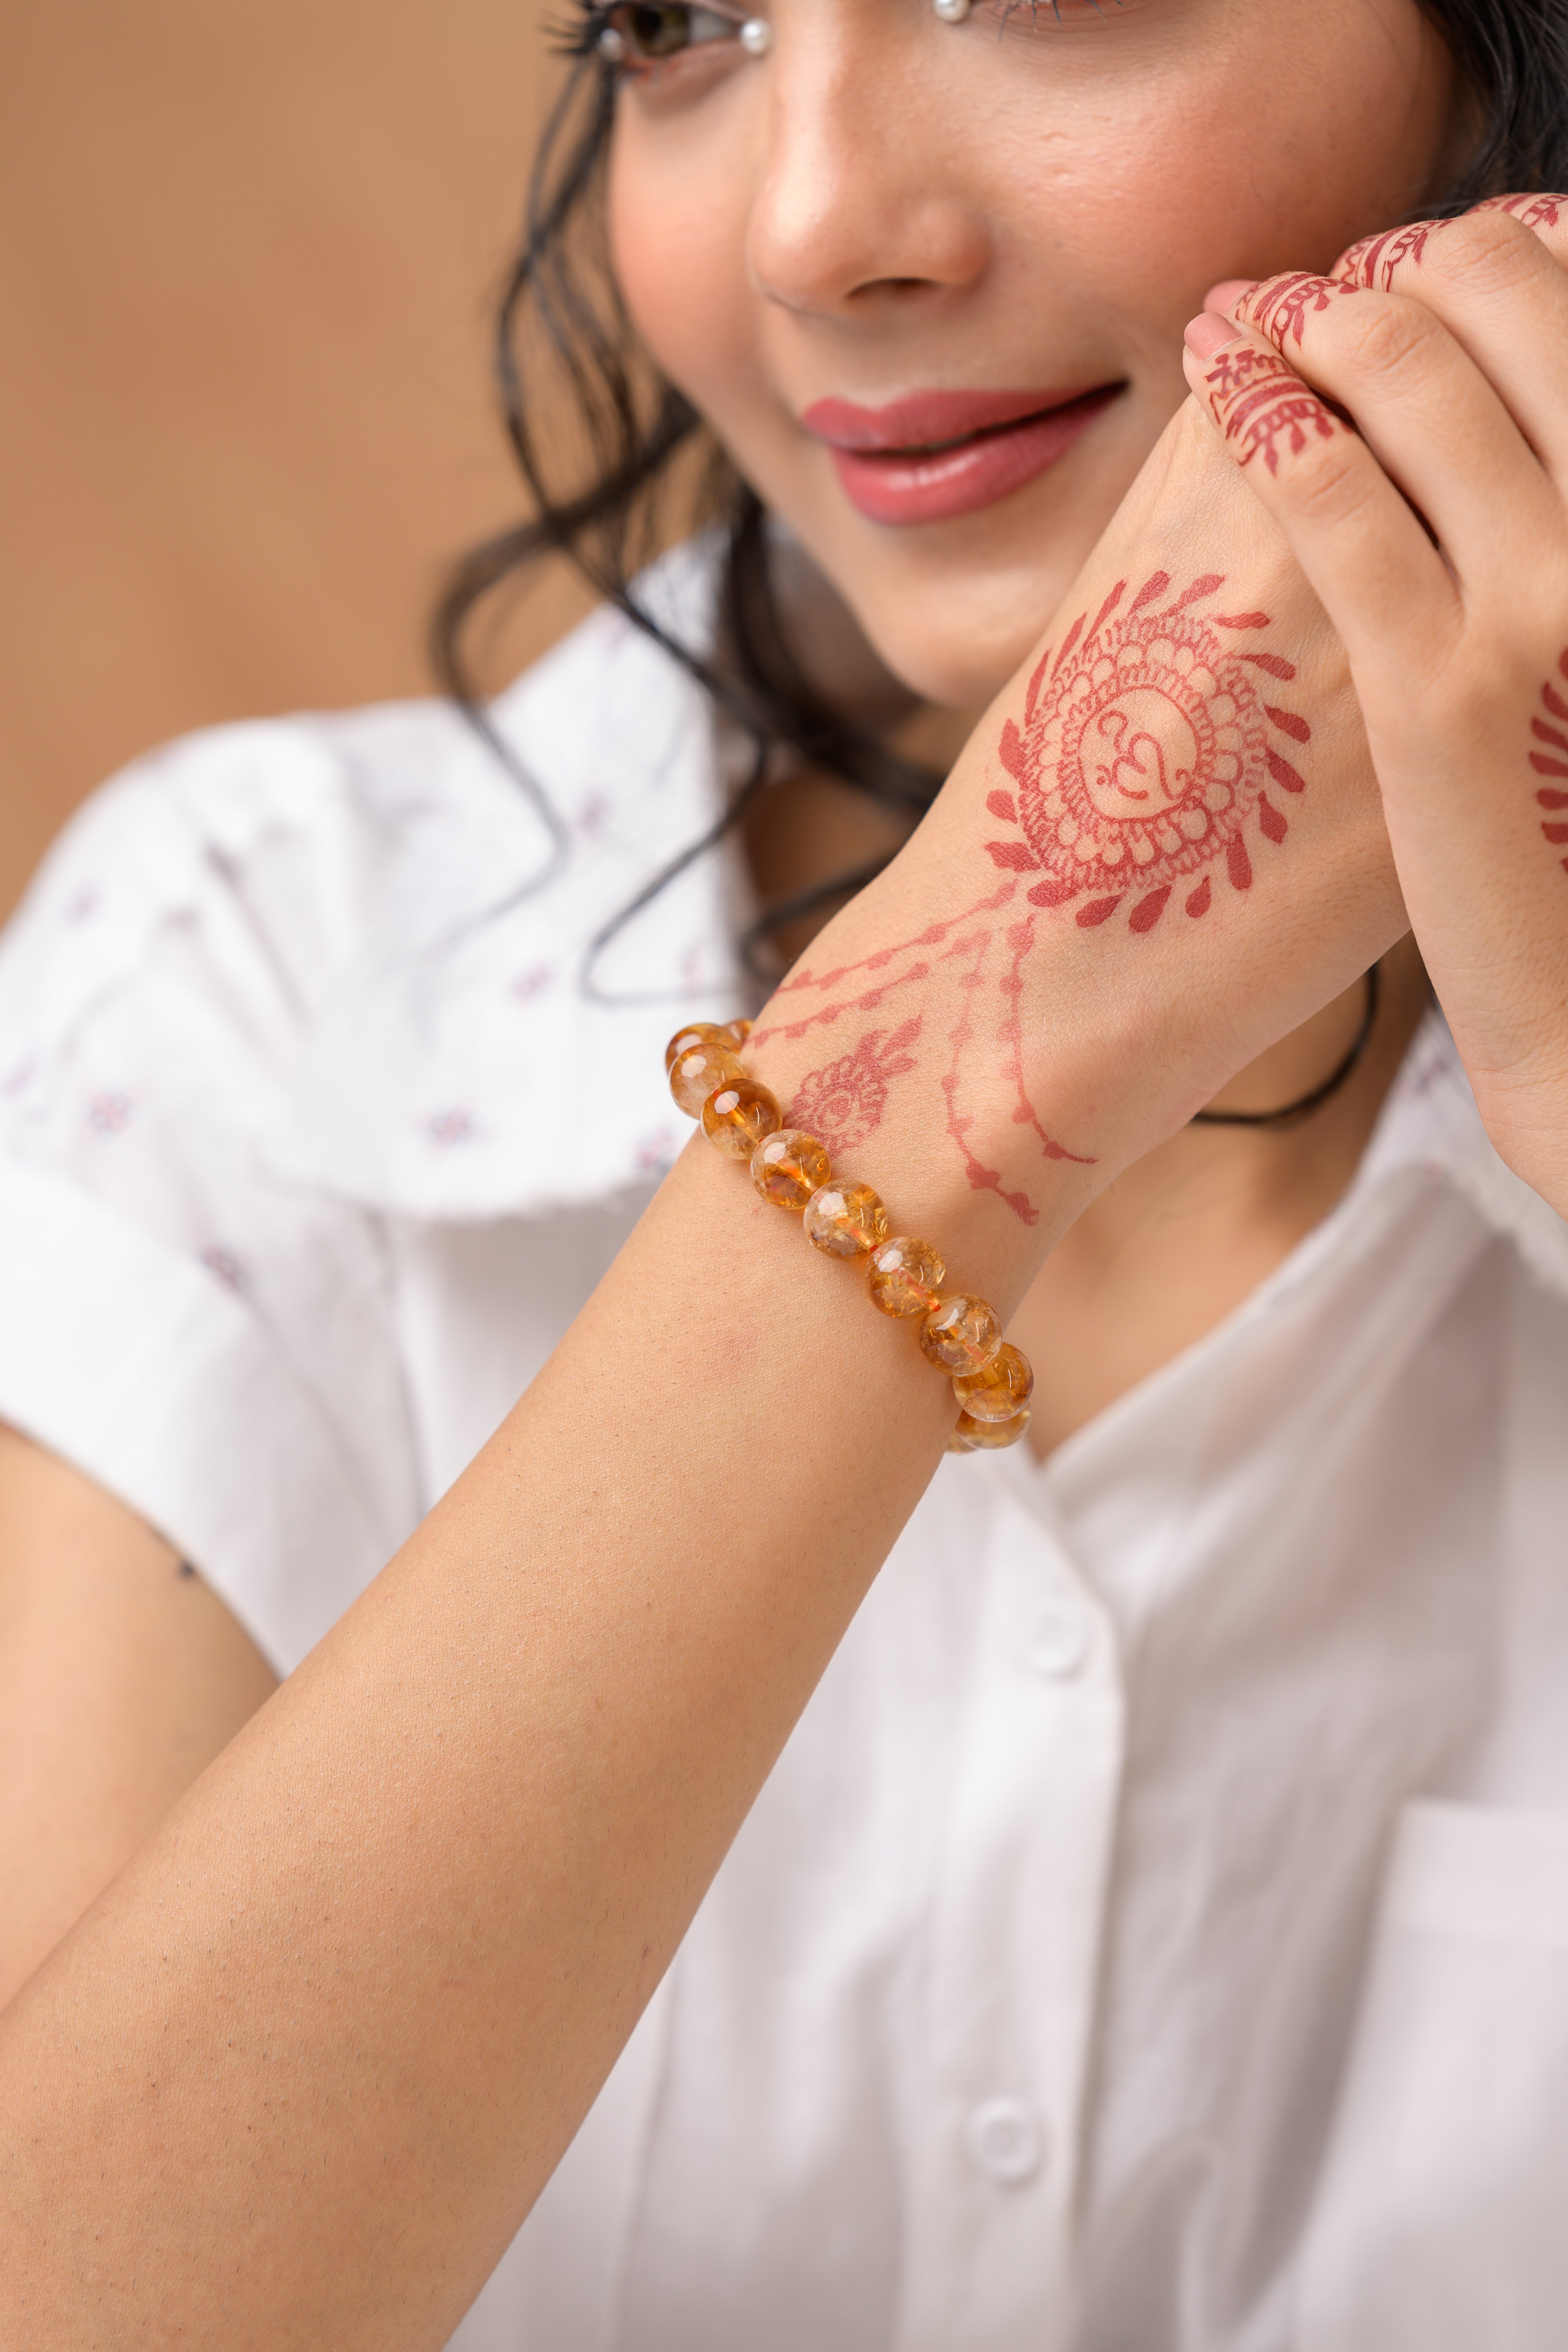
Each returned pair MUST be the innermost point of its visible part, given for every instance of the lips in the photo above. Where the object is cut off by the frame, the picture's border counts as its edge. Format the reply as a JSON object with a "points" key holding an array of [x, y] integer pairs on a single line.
{"points": [[935, 455]]}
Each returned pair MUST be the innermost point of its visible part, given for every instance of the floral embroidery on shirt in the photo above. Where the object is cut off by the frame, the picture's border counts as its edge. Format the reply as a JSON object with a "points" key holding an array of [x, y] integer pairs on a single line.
{"points": [[230, 1269], [109, 1114], [447, 1127], [655, 1152]]}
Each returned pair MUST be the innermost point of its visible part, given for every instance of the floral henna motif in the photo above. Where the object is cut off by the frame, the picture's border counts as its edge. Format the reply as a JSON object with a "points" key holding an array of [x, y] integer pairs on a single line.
{"points": [[1374, 261], [1552, 762], [1278, 308], [1535, 212], [1262, 402], [1143, 755], [842, 1102]]}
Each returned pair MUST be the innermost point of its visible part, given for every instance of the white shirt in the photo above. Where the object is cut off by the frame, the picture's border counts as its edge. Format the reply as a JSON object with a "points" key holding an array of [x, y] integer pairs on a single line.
{"points": [[1155, 1938]]}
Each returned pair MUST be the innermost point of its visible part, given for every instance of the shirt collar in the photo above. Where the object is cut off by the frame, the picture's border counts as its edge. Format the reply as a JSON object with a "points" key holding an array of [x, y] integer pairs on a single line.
{"points": [[461, 1069]]}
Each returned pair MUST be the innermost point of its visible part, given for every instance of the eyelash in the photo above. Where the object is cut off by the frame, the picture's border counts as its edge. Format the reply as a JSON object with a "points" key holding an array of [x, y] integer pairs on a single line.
{"points": [[582, 37]]}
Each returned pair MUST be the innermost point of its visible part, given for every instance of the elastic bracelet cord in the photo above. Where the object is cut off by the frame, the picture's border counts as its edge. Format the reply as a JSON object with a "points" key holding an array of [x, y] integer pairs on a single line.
{"points": [[958, 1333]]}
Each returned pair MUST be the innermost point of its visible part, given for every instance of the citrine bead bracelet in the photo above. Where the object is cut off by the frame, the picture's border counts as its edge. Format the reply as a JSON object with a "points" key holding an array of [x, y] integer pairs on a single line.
{"points": [[843, 1217]]}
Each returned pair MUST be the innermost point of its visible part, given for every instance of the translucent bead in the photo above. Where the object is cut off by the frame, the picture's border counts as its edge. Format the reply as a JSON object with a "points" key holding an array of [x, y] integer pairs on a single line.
{"points": [[738, 1031], [848, 1220], [905, 1277], [698, 1033], [973, 1436], [737, 1116], [1003, 1389], [960, 1334], [700, 1071], [788, 1168]]}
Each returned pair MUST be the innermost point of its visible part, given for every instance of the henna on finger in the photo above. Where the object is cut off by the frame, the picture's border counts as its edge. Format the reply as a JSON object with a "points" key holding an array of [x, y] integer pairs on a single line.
{"points": [[1279, 307], [1264, 407], [1375, 261]]}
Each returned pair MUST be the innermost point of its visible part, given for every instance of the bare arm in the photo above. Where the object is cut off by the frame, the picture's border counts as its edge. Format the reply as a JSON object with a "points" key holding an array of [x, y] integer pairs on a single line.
{"points": [[298, 2077], [121, 1676]]}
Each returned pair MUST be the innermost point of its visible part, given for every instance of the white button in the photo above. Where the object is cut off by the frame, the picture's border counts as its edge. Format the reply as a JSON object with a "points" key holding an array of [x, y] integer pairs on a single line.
{"points": [[1004, 2139], [1058, 1643]]}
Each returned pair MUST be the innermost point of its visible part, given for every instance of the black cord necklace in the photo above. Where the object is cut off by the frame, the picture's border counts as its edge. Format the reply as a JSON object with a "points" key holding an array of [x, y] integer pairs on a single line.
{"points": [[1290, 1113]]}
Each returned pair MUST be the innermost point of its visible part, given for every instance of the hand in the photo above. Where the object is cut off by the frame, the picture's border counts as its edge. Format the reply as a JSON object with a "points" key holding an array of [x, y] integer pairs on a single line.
{"points": [[1161, 851], [1406, 423]]}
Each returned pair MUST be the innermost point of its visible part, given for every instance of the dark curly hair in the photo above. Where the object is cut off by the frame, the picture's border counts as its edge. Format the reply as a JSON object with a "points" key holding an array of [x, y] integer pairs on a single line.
{"points": [[645, 470]]}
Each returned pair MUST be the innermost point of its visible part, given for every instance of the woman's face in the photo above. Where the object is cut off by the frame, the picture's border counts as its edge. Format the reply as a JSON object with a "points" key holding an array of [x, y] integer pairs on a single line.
{"points": [[928, 281]]}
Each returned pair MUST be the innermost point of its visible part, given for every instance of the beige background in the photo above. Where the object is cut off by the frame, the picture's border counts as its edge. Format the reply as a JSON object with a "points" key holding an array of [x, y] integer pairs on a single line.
{"points": [[247, 254]]}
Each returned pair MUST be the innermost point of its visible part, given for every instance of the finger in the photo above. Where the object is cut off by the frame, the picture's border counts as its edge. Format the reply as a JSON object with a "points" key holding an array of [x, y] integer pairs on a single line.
{"points": [[1498, 278], [1362, 551], [1376, 260], [1431, 417]]}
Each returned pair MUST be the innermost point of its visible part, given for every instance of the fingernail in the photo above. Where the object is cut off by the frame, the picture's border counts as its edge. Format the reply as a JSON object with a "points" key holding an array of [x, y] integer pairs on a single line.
{"points": [[1228, 293], [1207, 334]]}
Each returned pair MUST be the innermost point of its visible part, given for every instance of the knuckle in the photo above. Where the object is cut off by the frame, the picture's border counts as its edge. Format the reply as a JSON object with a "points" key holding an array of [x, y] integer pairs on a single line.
{"points": [[1490, 248], [1328, 482], [1387, 336]]}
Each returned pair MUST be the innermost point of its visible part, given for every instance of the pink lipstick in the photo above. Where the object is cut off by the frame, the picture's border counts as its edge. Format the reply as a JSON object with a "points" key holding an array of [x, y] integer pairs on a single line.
{"points": [[934, 455]]}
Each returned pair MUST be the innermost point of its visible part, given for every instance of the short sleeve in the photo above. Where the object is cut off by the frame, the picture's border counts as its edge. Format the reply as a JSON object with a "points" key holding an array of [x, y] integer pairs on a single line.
{"points": [[212, 1344]]}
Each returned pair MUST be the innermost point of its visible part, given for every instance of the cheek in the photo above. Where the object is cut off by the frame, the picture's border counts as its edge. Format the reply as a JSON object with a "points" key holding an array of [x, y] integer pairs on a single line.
{"points": [[678, 245]]}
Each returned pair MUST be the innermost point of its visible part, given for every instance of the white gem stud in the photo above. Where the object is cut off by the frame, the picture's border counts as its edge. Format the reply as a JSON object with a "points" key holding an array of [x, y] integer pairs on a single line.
{"points": [[612, 45], [757, 37], [951, 12]]}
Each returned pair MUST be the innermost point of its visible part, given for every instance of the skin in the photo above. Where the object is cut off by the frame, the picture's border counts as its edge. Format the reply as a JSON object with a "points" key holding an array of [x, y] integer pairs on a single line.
{"points": [[297, 2074]]}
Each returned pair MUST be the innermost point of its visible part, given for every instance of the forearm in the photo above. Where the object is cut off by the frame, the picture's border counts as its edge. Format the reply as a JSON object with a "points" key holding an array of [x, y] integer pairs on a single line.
{"points": [[354, 1999], [362, 1985]]}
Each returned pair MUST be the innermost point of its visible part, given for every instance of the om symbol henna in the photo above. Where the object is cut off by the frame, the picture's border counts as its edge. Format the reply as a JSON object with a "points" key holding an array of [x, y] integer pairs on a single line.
{"points": [[1553, 762], [1261, 403], [843, 1102], [1145, 752]]}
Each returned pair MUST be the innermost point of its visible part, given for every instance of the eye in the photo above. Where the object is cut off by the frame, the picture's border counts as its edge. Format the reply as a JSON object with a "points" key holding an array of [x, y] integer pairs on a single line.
{"points": [[652, 30]]}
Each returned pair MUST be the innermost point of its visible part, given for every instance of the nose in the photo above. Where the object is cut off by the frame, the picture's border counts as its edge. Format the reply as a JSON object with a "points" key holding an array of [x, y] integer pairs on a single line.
{"points": [[862, 202]]}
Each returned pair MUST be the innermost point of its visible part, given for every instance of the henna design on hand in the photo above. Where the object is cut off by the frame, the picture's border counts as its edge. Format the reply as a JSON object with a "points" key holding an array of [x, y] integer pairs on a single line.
{"points": [[843, 1101], [1143, 754], [1372, 261], [1262, 402], [1376, 260], [1279, 306], [1553, 763], [1147, 747], [975, 942], [1535, 212]]}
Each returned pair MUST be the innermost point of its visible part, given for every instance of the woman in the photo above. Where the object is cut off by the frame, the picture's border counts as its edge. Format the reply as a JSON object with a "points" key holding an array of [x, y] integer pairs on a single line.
{"points": [[1152, 1932]]}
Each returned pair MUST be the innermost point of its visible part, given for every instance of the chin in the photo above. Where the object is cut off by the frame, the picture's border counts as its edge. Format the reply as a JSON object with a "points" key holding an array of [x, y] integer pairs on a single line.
{"points": [[957, 642]]}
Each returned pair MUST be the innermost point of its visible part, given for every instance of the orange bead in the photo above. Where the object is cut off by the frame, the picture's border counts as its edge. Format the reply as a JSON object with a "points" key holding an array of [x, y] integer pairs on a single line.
{"points": [[788, 1168], [973, 1436], [960, 1334], [737, 1115], [905, 1277], [700, 1071], [846, 1219], [738, 1031], [699, 1032], [1003, 1389]]}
